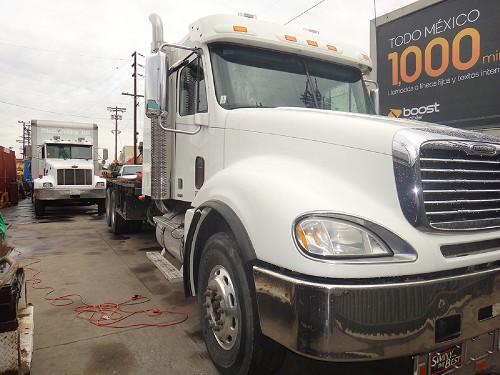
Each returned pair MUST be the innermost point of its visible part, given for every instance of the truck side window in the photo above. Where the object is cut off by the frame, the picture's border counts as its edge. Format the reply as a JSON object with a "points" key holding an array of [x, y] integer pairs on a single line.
{"points": [[192, 85]]}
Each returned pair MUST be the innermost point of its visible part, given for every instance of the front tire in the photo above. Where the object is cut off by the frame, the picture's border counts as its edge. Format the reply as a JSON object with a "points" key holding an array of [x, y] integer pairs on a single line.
{"points": [[228, 314]]}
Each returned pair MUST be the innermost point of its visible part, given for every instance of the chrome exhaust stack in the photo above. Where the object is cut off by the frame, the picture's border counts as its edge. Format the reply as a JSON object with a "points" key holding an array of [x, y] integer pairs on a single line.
{"points": [[157, 26], [161, 141]]}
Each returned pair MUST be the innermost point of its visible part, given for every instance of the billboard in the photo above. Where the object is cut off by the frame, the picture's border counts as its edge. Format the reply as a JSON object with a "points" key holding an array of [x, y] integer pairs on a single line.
{"points": [[441, 63]]}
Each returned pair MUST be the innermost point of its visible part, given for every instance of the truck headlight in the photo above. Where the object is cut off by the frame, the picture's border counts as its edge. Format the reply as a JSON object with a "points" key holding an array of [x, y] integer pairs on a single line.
{"points": [[100, 184], [333, 238], [47, 184]]}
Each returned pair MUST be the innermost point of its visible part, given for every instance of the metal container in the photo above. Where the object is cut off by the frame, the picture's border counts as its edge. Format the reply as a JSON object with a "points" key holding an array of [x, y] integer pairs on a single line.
{"points": [[8, 181], [11, 284]]}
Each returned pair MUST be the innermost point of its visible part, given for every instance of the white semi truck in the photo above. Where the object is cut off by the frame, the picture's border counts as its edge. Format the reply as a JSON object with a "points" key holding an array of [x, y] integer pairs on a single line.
{"points": [[65, 165], [305, 221]]}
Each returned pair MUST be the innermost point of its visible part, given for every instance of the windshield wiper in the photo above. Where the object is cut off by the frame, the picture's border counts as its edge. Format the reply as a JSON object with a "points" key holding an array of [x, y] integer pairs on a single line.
{"points": [[307, 91], [311, 91], [237, 106]]}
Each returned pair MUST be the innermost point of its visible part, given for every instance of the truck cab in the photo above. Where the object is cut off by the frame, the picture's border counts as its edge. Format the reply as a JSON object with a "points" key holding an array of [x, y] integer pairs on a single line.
{"points": [[65, 166], [303, 220]]}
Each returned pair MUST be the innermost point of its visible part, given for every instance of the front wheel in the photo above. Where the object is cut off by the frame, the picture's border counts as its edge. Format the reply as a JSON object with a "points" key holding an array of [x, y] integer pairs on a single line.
{"points": [[229, 320]]}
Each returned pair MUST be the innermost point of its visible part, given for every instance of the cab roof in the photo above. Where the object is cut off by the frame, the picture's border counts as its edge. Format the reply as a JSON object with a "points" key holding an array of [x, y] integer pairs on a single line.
{"points": [[253, 32]]}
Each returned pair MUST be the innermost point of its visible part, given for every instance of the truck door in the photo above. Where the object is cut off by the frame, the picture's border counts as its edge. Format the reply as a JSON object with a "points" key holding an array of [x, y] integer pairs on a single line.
{"points": [[190, 150], [40, 161]]}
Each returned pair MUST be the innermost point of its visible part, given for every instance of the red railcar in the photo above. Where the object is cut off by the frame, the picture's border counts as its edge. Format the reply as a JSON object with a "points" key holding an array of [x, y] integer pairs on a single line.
{"points": [[8, 182]]}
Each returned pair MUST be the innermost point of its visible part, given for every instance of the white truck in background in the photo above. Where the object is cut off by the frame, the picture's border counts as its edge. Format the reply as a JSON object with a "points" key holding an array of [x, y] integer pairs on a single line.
{"points": [[65, 165], [302, 219]]}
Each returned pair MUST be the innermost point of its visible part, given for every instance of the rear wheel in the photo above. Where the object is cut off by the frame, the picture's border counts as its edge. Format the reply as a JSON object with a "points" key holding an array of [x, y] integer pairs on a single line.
{"points": [[108, 207], [118, 223], [229, 320], [101, 207], [39, 207]]}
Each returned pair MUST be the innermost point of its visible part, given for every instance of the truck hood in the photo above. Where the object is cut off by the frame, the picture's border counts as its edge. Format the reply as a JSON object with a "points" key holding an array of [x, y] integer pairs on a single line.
{"points": [[366, 132], [70, 163]]}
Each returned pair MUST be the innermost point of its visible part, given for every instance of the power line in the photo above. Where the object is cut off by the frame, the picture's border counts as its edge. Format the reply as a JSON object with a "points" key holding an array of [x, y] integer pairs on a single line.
{"points": [[61, 51], [59, 113], [107, 88], [53, 112], [304, 12]]}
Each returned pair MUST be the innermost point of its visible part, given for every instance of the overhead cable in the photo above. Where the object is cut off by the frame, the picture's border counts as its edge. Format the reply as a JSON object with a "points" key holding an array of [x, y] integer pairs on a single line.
{"points": [[304, 12]]}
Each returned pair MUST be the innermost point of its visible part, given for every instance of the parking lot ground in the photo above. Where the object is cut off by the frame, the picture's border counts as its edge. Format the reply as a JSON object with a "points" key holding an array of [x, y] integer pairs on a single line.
{"points": [[79, 255]]}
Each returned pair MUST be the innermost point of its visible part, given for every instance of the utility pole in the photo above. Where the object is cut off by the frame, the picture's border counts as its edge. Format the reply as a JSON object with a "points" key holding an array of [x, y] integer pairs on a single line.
{"points": [[26, 138], [135, 74], [116, 117]]}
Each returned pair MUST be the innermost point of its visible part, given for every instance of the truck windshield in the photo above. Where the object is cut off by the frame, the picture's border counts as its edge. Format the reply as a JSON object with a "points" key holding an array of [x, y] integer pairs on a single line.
{"points": [[247, 77], [57, 151]]}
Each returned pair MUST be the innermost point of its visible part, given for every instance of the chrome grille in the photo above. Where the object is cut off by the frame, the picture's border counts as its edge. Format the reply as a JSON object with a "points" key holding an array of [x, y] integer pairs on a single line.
{"points": [[74, 176], [461, 188]]}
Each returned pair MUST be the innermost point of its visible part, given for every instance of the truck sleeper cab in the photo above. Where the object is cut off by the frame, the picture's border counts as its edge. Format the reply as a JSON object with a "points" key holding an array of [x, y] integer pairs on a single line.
{"points": [[309, 222]]}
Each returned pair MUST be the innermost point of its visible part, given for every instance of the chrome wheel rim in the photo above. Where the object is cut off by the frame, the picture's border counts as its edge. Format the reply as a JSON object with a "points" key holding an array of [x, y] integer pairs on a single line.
{"points": [[221, 307]]}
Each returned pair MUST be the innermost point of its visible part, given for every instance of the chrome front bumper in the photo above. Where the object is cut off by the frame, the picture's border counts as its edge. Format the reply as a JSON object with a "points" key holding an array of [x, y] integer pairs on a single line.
{"points": [[371, 320], [53, 194]]}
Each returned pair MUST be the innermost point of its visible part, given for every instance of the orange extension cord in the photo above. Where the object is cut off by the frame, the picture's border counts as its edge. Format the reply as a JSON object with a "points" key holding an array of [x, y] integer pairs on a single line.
{"points": [[107, 314]]}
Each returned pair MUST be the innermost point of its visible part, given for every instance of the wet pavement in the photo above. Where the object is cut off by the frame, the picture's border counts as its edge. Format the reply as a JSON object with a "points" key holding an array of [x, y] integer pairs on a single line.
{"points": [[78, 254]]}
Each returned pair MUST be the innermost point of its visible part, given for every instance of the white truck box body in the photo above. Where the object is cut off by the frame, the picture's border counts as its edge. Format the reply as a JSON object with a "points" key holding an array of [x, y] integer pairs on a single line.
{"points": [[43, 131]]}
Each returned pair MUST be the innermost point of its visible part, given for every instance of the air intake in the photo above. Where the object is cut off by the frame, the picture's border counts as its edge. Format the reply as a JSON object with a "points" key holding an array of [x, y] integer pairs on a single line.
{"points": [[461, 185]]}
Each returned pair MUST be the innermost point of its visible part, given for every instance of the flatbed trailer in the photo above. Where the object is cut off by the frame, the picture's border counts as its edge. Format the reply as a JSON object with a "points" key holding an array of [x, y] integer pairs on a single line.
{"points": [[126, 207]]}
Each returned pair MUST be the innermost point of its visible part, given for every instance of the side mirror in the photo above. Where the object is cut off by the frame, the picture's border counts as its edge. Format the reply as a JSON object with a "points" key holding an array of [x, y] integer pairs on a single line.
{"points": [[28, 152], [374, 96], [104, 154], [156, 95]]}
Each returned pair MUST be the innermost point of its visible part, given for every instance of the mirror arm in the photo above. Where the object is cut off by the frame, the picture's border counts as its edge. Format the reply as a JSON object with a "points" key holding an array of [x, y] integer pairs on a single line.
{"points": [[373, 82], [164, 45], [180, 64]]}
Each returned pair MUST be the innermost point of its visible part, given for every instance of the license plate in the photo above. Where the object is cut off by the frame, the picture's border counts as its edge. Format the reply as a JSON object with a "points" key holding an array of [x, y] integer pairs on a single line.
{"points": [[74, 192], [444, 361]]}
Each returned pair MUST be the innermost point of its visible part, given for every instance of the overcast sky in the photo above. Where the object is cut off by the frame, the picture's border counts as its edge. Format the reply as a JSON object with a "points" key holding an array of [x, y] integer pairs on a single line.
{"points": [[70, 59]]}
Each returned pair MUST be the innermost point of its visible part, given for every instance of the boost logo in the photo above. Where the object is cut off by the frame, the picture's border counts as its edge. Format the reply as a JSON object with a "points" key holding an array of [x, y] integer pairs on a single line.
{"points": [[415, 113]]}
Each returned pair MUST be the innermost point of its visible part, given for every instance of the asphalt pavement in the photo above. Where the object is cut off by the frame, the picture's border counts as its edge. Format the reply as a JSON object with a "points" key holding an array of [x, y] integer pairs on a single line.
{"points": [[76, 253]]}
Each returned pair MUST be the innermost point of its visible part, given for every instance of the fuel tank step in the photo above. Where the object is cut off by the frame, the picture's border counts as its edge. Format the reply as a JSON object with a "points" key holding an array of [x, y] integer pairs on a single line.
{"points": [[168, 270]]}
